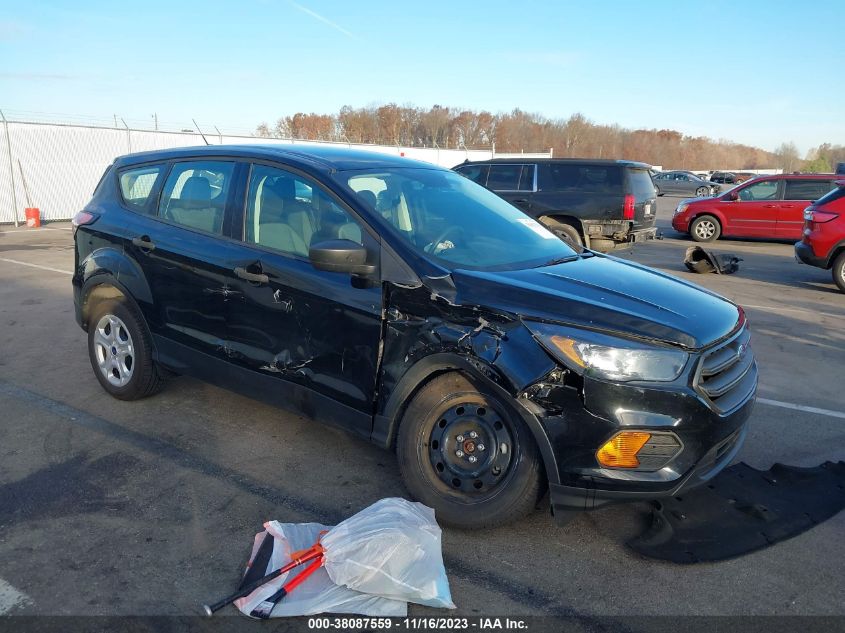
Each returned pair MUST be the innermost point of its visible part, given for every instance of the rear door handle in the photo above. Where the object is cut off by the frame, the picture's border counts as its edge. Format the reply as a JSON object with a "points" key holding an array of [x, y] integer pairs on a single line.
{"points": [[144, 243], [259, 278], [770, 206], [520, 201]]}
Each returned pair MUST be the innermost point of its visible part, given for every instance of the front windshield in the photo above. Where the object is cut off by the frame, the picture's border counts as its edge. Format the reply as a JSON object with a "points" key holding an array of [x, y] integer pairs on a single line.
{"points": [[454, 220]]}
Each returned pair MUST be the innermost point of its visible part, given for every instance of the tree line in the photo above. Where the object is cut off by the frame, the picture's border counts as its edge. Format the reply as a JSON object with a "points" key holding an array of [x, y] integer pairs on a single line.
{"points": [[520, 131]]}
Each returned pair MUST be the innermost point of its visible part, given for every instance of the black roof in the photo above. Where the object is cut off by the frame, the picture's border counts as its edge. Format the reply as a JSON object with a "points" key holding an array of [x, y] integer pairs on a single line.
{"points": [[574, 161], [321, 157]]}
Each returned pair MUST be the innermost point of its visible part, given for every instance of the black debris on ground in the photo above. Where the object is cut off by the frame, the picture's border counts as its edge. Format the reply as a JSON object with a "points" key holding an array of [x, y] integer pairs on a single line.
{"points": [[742, 510]]}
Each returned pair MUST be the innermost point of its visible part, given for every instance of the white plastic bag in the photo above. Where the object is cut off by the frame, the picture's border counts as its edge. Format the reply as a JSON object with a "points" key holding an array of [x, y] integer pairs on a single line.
{"points": [[318, 594], [392, 549]]}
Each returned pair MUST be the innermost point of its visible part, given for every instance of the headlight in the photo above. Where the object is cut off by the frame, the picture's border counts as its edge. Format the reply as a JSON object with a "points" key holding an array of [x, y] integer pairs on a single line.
{"points": [[681, 208], [608, 357]]}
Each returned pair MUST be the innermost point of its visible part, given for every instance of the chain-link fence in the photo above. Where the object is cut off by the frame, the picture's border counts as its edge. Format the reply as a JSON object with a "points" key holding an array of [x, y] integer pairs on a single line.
{"points": [[56, 166]]}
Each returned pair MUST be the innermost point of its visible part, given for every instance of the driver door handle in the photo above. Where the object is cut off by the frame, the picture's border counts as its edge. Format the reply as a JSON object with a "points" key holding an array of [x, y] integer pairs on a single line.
{"points": [[259, 278], [144, 243], [520, 201]]}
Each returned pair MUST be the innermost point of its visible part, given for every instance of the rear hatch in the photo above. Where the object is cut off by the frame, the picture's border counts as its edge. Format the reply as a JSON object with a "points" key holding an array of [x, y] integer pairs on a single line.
{"points": [[641, 188]]}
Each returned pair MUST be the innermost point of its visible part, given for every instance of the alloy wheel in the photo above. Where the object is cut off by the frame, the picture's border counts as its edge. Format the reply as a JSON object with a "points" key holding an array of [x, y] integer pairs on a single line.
{"points": [[705, 229], [114, 350]]}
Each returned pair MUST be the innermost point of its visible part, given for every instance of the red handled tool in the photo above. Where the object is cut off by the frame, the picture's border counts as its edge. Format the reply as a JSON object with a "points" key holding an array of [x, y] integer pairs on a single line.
{"points": [[265, 607], [297, 559]]}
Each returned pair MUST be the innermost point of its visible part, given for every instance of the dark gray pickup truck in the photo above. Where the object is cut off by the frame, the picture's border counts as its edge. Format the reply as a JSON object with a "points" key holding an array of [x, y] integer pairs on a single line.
{"points": [[602, 204]]}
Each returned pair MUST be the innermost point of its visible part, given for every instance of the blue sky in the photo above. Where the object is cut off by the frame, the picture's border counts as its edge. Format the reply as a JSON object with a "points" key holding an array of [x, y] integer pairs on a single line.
{"points": [[758, 72]]}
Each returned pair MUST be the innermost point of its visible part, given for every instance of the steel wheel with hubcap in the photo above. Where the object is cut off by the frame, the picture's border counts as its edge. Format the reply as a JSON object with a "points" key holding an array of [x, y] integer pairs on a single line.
{"points": [[705, 228], [463, 452]]}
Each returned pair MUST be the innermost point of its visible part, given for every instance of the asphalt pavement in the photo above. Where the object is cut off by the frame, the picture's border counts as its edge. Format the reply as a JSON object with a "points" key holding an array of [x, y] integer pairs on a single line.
{"points": [[150, 507]]}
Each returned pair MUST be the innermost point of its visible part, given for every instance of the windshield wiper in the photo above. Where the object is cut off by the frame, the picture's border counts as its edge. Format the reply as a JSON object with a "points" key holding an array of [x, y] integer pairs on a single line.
{"points": [[560, 260]]}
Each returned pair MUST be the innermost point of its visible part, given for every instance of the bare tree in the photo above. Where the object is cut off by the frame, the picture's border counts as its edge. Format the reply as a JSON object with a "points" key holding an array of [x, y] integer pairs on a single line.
{"points": [[787, 156], [518, 130]]}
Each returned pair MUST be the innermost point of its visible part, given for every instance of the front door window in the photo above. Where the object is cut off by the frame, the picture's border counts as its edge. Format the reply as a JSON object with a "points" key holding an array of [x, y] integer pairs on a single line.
{"points": [[765, 190]]}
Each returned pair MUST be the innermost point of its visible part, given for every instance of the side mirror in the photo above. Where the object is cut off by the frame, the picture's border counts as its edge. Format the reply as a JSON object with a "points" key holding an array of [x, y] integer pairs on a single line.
{"points": [[733, 195], [340, 256]]}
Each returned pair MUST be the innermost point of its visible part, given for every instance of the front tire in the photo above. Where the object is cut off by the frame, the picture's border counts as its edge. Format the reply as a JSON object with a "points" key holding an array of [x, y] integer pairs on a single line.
{"points": [[838, 271], [465, 453], [120, 350], [702, 192], [705, 228]]}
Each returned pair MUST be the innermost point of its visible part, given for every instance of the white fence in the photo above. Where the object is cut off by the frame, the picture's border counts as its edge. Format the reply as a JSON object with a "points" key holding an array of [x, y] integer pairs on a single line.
{"points": [[55, 167]]}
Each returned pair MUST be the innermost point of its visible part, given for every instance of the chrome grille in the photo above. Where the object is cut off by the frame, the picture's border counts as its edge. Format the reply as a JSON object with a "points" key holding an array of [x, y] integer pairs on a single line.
{"points": [[727, 374]]}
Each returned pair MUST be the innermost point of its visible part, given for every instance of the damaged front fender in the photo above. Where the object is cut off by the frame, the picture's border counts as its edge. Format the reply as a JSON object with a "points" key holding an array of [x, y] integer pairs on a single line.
{"points": [[427, 334]]}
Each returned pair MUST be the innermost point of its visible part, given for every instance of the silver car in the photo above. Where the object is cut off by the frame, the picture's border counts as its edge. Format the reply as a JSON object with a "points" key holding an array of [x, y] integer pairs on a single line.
{"points": [[683, 183]]}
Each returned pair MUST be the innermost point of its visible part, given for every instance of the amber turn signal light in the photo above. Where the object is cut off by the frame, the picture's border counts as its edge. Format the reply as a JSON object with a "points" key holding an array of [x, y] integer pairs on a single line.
{"points": [[620, 451]]}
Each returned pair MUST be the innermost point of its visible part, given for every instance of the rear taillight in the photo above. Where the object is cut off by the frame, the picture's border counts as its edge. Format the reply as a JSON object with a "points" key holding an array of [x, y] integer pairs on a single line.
{"points": [[82, 218], [813, 218], [820, 217], [628, 208]]}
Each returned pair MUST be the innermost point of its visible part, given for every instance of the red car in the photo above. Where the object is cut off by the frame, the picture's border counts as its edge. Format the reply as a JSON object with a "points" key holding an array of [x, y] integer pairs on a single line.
{"points": [[823, 241], [767, 206]]}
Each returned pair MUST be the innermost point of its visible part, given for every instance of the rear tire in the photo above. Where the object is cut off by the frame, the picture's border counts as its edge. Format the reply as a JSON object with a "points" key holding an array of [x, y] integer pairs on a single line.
{"points": [[566, 232], [705, 228], [465, 453], [120, 351], [838, 271]]}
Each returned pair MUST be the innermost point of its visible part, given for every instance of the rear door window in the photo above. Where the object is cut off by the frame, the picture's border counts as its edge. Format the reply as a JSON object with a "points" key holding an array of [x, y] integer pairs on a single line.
{"points": [[589, 178], [137, 185], [195, 194], [504, 177], [806, 189], [526, 180]]}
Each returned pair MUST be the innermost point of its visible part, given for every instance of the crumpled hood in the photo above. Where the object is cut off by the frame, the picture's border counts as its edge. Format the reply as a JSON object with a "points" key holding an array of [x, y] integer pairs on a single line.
{"points": [[608, 294]]}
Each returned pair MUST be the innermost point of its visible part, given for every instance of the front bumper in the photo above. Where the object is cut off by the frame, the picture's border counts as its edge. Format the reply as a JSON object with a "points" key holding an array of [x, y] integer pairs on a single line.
{"points": [[709, 432], [680, 222], [804, 254], [592, 495]]}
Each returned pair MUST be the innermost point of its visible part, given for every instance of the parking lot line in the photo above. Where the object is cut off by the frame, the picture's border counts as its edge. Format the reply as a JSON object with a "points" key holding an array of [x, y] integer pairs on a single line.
{"points": [[55, 270], [778, 309], [801, 407], [10, 597], [28, 232]]}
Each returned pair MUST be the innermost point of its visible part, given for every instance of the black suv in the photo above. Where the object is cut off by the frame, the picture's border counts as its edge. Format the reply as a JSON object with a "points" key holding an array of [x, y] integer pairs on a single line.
{"points": [[415, 308], [603, 204], [725, 178]]}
